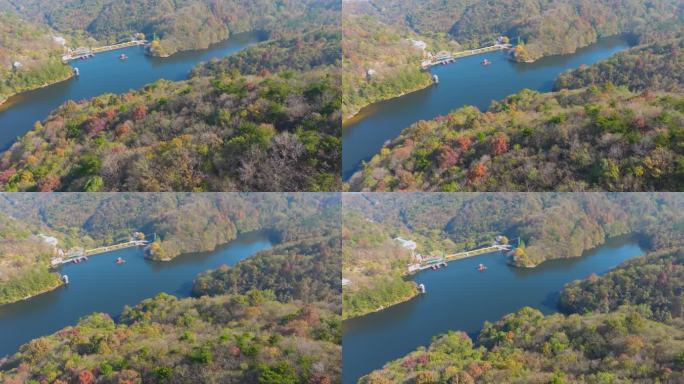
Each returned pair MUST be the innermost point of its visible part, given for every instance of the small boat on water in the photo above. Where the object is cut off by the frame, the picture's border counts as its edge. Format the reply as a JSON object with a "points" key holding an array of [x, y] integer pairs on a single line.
{"points": [[421, 288], [77, 72], [120, 261], [123, 57], [435, 79], [481, 267], [486, 62], [65, 279]]}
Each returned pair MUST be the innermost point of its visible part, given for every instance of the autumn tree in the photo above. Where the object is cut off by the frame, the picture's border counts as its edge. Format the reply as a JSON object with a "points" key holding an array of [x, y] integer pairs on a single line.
{"points": [[139, 112], [447, 157], [499, 144], [477, 171], [49, 183], [465, 142]]}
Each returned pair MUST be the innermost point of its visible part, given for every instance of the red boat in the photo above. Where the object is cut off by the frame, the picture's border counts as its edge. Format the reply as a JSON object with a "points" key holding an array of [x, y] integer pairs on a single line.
{"points": [[486, 62], [120, 261], [481, 267]]}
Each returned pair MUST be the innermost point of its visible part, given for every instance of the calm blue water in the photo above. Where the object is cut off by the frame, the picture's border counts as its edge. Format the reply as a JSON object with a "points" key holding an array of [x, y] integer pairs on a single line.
{"points": [[461, 298], [100, 285], [465, 82], [107, 74]]}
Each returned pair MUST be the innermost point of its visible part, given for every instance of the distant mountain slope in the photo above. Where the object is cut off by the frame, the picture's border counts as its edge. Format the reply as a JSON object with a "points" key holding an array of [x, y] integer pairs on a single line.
{"points": [[179, 25]]}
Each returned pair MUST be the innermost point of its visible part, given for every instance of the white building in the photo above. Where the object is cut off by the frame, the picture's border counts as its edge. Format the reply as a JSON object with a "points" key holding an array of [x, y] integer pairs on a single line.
{"points": [[49, 240], [408, 244], [418, 44], [59, 40]]}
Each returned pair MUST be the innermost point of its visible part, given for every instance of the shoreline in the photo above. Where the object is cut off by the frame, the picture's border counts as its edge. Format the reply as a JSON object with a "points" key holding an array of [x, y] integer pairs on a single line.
{"points": [[415, 294], [146, 256], [44, 85], [522, 267], [357, 115], [43, 291]]}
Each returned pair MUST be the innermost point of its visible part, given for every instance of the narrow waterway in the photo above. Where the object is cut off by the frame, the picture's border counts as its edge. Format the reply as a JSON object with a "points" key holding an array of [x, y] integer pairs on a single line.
{"points": [[461, 298], [465, 82], [100, 285], [106, 73]]}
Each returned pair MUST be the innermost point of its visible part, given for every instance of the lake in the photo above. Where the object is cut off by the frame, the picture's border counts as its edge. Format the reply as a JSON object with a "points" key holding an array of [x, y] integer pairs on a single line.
{"points": [[465, 82], [100, 285], [461, 298], [105, 73]]}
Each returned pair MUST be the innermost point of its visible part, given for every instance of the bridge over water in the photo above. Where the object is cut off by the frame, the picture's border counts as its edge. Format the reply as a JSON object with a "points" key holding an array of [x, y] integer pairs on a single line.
{"points": [[445, 59], [81, 254], [440, 261], [87, 52]]}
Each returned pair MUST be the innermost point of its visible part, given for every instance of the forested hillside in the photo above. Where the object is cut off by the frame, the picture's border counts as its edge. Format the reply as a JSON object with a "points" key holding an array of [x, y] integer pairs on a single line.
{"points": [[318, 46], [307, 270], [175, 25], [657, 66], [544, 28], [374, 265], [379, 62], [220, 132], [183, 223], [528, 347], [21, 68], [656, 281], [228, 339], [588, 139], [24, 261]]}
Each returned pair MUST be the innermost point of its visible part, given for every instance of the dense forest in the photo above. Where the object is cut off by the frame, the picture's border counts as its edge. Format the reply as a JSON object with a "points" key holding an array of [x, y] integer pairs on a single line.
{"points": [[527, 347], [655, 280], [306, 270], [21, 68], [172, 26], [316, 47], [223, 131], [376, 265], [657, 66], [596, 138], [543, 29], [183, 223], [224, 339]]}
